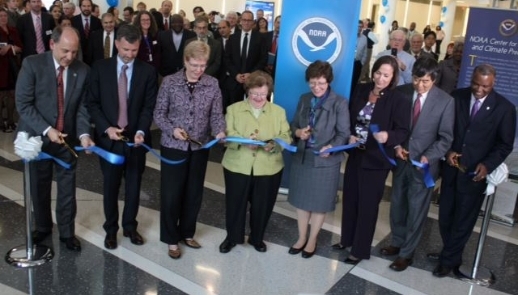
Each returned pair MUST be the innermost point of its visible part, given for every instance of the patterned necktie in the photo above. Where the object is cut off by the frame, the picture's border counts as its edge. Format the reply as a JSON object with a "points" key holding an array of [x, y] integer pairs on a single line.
{"points": [[60, 122], [416, 56], [87, 28], [417, 109], [107, 43], [475, 108], [166, 24], [244, 50], [274, 44], [40, 46], [123, 98]]}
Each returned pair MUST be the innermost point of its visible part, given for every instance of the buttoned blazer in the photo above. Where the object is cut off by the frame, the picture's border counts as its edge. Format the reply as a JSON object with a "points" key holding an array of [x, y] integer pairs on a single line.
{"points": [[256, 59], [96, 45], [95, 25], [171, 59], [433, 133], [36, 96], [103, 99], [25, 27]]}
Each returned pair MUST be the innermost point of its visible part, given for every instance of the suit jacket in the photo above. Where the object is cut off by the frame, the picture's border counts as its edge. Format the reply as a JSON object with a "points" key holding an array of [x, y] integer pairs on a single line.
{"points": [[448, 76], [25, 28], [332, 127], [433, 133], [159, 18], [268, 41], [487, 139], [256, 59], [95, 24], [103, 99], [214, 62], [390, 114], [171, 59], [36, 97], [96, 45]]}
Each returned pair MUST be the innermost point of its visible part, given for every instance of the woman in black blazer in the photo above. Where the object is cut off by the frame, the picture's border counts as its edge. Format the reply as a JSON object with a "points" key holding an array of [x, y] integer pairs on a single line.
{"points": [[367, 168]]}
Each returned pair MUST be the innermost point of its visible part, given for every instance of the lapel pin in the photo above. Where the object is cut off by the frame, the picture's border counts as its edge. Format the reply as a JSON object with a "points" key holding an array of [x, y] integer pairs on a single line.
{"points": [[487, 108], [75, 74]]}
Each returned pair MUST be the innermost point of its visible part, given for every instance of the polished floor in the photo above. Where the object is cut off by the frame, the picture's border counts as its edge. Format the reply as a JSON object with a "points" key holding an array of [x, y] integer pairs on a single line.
{"points": [[148, 270]]}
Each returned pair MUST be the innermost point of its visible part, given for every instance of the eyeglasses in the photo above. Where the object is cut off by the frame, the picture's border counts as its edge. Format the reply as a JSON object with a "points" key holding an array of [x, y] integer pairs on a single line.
{"points": [[255, 94], [197, 66], [319, 84], [423, 81]]}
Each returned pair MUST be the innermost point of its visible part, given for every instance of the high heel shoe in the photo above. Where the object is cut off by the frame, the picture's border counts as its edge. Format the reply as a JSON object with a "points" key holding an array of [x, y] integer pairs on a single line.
{"points": [[338, 246], [306, 254], [294, 251]]}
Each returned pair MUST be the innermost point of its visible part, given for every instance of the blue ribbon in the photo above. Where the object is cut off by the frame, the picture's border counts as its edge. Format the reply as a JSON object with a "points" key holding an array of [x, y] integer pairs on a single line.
{"points": [[243, 140], [109, 157], [45, 156], [338, 148], [167, 161], [427, 177]]}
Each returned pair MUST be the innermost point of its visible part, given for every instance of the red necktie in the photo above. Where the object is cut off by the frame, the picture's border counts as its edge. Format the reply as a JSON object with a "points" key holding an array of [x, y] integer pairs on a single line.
{"points": [[166, 24], [87, 28], [123, 98], [274, 45], [40, 45], [61, 100], [417, 109]]}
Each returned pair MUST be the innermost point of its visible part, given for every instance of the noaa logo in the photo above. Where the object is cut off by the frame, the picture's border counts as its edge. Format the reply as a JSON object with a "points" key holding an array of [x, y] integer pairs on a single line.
{"points": [[507, 28], [316, 39]]}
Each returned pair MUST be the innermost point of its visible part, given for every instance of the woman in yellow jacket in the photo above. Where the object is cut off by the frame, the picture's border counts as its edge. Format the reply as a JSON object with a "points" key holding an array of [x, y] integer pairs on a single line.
{"points": [[253, 173]]}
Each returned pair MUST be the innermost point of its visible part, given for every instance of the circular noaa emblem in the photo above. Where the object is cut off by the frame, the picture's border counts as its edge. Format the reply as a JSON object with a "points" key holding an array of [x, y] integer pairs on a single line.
{"points": [[316, 39], [508, 28]]}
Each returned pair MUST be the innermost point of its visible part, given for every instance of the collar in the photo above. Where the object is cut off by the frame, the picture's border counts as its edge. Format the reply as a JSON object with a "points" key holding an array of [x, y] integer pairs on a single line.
{"points": [[57, 65], [120, 63]]}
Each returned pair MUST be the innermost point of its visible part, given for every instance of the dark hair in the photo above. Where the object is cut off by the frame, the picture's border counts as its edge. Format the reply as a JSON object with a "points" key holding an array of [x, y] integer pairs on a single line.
{"points": [[81, 2], [153, 29], [320, 69], [392, 62], [58, 31], [198, 8], [201, 18], [485, 70], [111, 9], [64, 17], [94, 6], [53, 6], [430, 33], [214, 12], [129, 8], [128, 32], [277, 17], [371, 25], [259, 79], [260, 19], [425, 66]]}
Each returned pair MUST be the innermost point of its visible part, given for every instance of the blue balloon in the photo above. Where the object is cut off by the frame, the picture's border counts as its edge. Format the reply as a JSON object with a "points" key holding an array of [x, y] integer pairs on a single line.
{"points": [[382, 19], [384, 2], [444, 9], [441, 24], [112, 3]]}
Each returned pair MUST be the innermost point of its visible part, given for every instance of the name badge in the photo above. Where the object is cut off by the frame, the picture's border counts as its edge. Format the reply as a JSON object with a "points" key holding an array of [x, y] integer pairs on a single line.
{"points": [[150, 57], [154, 42], [48, 32]]}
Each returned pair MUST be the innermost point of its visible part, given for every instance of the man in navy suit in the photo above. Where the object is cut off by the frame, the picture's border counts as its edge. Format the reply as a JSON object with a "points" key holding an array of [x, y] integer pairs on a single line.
{"points": [[86, 24], [28, 24], [50, 94], [484, 131], [121, 102]]}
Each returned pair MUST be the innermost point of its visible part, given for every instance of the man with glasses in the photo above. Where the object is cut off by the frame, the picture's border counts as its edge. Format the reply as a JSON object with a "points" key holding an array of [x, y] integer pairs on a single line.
{"points": [[245, 52], [431, 136], [201, 28], [404, 59]]}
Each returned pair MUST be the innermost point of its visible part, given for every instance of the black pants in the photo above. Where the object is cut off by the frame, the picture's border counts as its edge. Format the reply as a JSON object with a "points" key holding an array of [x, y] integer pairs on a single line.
{"points": [[260, 192], [181, 192]]}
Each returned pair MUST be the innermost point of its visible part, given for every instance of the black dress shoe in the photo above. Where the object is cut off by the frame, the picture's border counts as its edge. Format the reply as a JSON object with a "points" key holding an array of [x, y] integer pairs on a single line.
{"points": [[226, 246], [400, 264], [433, 256], [338, 246], [351, 261], [294, 251], [306, 254], [134, 237], [389, 251], [259, 247], [39, 236], [110, 242], [441, 270], [71, 243], [460, 275]]}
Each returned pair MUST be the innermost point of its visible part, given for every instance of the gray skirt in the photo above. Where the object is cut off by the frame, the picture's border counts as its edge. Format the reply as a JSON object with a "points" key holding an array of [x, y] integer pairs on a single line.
{"points": [[313, 188]]}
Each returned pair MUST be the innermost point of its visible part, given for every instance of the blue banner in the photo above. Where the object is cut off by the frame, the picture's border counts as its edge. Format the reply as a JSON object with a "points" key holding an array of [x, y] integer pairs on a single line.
{"points": [[314, 30]]}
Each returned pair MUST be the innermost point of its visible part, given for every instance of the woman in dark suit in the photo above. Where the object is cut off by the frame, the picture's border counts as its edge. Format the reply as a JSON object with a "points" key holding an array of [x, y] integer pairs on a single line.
{"points": [[367, 168], [147, 51]]}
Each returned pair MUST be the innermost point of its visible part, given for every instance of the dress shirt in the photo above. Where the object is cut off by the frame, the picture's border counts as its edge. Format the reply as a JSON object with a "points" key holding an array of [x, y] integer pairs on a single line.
{"points": [[177, 39], [112, 39], [472, 102], [129, 73], [83, 18], [423, 99]]}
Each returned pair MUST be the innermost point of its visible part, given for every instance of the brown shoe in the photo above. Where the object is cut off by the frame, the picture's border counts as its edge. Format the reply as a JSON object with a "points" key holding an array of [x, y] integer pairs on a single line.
{"points": [[400, 264], [389, 251], [192, 243], [175, 254]]}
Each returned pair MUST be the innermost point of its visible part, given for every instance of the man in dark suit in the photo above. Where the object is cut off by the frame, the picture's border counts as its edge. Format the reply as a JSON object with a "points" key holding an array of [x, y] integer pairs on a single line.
{"points": [[59, 115], [245, 52], [35, 29], [484, 131], [102, 42], [86, 24], [272, 41], [171, 44], [121, 102], [201, 28], [163, 18], [431, 136]]}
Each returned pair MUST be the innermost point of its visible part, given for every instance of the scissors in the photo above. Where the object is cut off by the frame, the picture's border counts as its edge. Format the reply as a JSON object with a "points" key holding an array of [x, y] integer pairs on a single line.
{"points": [[64, 143], [122, 137], [456, 164], [189, 139]]}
